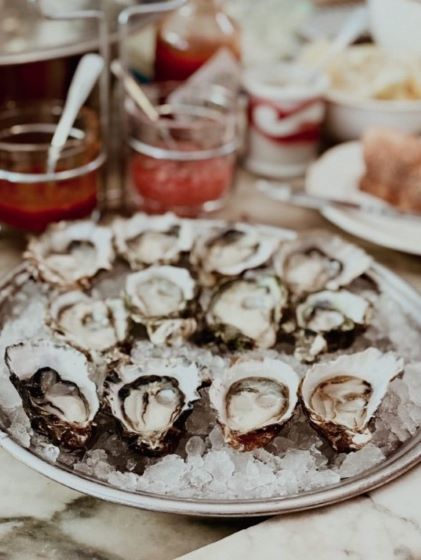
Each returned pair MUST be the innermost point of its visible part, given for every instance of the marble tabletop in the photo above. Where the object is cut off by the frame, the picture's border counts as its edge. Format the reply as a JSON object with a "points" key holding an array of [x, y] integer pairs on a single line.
{"points": [[39, 519]]}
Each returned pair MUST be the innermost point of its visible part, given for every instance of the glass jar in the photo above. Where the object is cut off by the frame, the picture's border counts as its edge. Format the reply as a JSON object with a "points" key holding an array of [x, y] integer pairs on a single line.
{"points": [[189, 36], [30, 198], [185, 162]]}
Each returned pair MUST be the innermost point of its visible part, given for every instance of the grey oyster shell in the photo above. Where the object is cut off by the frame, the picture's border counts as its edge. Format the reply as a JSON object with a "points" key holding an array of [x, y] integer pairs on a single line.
{"points": [[247, 310], [144, 240], [90, 324], [149, 399], [58, 396], [341, 396], [158, 297], [253, 399], [318, 261], [230, 251], [70, 254]]}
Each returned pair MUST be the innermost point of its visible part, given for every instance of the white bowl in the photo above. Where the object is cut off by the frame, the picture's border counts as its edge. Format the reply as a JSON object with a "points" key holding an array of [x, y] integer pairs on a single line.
{"points": [[395, 25], [348, 118]]}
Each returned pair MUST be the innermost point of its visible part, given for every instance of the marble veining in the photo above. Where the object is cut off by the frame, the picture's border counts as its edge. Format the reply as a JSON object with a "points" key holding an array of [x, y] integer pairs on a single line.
{"points": [[40, 519], [382, 525]]}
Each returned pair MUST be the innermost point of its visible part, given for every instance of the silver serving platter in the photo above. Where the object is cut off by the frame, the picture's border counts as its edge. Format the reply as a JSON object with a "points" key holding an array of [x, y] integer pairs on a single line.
{"points": [[25, 36], [402, 460]]}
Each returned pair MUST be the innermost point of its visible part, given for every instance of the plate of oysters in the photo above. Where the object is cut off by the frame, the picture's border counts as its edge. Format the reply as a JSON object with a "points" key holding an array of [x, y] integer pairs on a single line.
{"points": [[208, 368]]}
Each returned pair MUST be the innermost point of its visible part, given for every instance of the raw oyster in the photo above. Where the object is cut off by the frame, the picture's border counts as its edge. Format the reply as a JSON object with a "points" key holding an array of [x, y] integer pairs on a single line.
{"points": [[149, 400], [341, 397], [319, 260], [247, 310], [69, 254], [231, 251], [173, 332], [329, 311], [327, 319], [144, 241], [253, 399], [87, 323], [57, 393], [158, 297]]}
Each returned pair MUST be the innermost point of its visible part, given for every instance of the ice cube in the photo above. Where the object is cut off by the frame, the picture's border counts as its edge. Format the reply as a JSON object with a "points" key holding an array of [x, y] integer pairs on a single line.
{"points": [[360, 461]]}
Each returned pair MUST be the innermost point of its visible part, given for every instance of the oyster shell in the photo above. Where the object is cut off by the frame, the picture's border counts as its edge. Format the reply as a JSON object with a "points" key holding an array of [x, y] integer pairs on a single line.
{"points": [[341, 397], [329, 311], [173, 332], [253, 399], [157, 297], [57, 393], [87, 323], [144, 241], [230, 251], [69, 254], [247, 310], [319, 260], [149, 400]]}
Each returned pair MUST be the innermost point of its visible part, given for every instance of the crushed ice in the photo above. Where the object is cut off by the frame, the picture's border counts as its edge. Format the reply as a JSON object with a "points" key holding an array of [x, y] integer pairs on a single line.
{"points": [[298, 460]]}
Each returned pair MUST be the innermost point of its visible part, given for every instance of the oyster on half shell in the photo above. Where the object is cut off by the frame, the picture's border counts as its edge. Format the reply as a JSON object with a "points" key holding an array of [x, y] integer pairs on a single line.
{"points": [[89, 324], [324, 318], [144, 241], [70, 254], [318, 260], [230, 251], [341, 397], [253, 399], [149, 400], [57, 393], [247, 310], [328, 311], [158, 297]]}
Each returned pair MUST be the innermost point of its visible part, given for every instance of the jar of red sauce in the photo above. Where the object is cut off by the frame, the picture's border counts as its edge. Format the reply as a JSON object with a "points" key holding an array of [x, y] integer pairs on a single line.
{"points": [[29, 198], [185, 162], [192, 34]]}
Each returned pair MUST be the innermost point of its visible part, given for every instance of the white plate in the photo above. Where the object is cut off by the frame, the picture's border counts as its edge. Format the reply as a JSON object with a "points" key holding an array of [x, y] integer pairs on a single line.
{"points": [[336, 175]]}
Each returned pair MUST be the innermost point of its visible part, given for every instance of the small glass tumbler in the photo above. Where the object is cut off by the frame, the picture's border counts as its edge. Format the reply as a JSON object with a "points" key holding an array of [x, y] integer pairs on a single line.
{"points": [[185, 161], [30, 198], [285, 112]]}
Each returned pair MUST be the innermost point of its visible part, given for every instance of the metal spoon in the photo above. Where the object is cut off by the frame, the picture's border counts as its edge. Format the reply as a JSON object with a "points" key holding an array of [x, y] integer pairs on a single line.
{"points": [[354, 25], [142, 101], [84, 79]]}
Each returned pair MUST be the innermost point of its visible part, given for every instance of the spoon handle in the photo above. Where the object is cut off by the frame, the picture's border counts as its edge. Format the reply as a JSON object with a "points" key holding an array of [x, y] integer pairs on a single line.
{"points": [[84, 79], [355, 24]]}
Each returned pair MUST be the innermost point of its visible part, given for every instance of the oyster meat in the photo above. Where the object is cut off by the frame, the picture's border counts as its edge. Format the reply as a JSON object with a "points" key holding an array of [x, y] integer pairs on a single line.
{"points": [[317, 260], [89, 324], [248, 310], [329, 311], [231, 251], [158, 297], [57, 393], [70, 254], [150, 400], [253, 399], [342, 396], [144, 241]]}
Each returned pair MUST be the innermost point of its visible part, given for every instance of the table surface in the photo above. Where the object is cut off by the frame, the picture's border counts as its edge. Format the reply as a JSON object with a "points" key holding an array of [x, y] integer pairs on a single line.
{"points": [[41, 519]]}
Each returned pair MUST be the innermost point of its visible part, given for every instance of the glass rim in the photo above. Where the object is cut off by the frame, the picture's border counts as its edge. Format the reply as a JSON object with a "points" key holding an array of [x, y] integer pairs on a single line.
{"points": [[83, 132], [182, 155], [76, 135], [213, 116], [57, 176]]}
